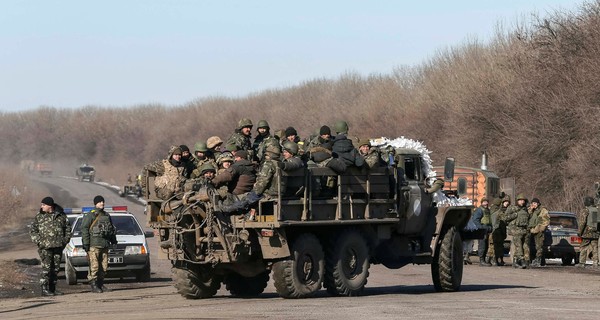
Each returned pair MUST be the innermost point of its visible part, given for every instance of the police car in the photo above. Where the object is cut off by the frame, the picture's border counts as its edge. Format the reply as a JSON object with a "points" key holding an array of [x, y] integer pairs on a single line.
{"points": [[130, 257]]}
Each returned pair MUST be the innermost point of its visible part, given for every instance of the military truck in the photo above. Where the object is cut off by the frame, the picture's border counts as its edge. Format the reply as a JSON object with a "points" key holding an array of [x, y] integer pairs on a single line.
{"points": [[85, 172], [307, 238]]}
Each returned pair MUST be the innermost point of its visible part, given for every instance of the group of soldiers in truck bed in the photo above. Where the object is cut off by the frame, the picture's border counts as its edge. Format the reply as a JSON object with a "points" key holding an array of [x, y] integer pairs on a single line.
{"points": [[242, 170], [526, 222]]}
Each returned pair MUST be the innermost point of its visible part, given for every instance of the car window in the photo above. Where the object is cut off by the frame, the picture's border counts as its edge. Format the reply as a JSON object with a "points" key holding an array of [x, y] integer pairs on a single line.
{"points": [[565, 222], [125, 225]]}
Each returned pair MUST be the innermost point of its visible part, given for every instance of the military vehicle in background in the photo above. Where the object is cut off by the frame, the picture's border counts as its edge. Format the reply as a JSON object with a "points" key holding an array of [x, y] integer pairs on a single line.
{"points": [[43, 169], [85, 172], [131, 187], [382, 216]]}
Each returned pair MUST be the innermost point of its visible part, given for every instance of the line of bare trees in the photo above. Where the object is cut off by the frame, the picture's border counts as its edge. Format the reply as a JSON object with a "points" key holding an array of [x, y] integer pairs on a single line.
{"points": [[530, 98]]}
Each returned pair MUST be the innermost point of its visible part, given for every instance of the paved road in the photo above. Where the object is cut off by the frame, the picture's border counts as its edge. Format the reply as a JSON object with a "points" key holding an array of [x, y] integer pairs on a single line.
{"points": [[553, 292]]}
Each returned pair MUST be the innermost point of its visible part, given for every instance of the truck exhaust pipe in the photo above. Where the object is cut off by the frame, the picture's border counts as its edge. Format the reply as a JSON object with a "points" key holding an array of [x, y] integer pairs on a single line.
{"points": [[484, 161]]}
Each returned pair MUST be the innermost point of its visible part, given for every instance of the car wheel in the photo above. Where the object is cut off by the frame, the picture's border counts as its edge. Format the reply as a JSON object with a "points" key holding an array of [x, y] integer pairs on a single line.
{"points": [[70, 273], [567, 261], [143, 275]]}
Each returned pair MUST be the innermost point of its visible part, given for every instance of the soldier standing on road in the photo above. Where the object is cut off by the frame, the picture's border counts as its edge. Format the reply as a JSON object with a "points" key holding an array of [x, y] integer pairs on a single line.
{"points": [[241, 137], [500, 219], [588, 231], [539, 219], [520, 232], [50, 231], [483, 221], [97, 234]]}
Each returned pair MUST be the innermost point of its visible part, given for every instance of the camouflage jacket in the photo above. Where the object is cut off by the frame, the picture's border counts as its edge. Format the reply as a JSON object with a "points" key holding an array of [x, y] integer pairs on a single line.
{"points": [[586, 231], [264, 142], [50, 230], [266, 181], [373, 158], [241, 141], [100, 232], [539, 220], [199, 163], [239, 178], [519, 219]]}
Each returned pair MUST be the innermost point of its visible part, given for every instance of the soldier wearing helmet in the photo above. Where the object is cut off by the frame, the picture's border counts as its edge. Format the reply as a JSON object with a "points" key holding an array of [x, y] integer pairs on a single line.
{"points": [[519, 229], [539, 219], [263, 140], [239, 177], [201, 157], [169, 172], [588, 231], [371, 154], [214, 144], [241, 137], [291, 161], [343, 147], [266, 184], [500, 218]]}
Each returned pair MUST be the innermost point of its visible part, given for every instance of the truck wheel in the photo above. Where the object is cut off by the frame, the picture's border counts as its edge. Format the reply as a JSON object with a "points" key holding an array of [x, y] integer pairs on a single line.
{"points": [[241, 286], [447, 265], [70, 273], [301, 275], [347, 264], [196, 282]]}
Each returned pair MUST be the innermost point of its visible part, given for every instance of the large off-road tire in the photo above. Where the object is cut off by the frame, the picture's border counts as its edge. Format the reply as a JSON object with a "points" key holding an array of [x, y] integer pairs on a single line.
{"points": [[70, 273], [196, 282], [447, 265], [241, 286], [301, 275], [347, 264]]}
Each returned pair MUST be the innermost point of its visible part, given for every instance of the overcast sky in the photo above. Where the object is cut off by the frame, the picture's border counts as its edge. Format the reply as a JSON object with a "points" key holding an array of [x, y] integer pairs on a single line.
{"points": [[69, 54]]}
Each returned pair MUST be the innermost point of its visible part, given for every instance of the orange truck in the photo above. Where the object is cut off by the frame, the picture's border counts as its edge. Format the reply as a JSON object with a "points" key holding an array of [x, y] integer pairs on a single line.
{"points": [[43, 168]]}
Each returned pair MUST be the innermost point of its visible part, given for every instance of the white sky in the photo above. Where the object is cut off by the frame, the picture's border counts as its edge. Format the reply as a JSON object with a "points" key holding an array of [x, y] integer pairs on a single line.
{"points": [[73, 53]]}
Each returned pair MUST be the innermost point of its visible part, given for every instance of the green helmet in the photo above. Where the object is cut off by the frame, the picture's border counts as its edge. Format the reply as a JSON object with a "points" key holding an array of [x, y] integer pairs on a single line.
{"points": [[200, 146], [245, 122], [263, 124], [521, 196], [225, 156], [341, 127], [273, 149], [207, 167], [290, 147]]}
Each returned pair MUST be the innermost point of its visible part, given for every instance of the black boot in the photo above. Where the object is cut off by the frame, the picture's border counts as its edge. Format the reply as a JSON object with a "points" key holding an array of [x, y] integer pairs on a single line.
{"points": [[102, 286], [483, 263], [52, 288], [94, 287], [525, 264], [46, 291], [536, 263], [501, 262]]}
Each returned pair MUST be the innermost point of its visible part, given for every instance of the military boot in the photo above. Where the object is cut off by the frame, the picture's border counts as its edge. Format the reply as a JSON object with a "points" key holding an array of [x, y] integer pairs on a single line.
{"points": [[494, 262], [483, 263], [536, 263], [94, 287], [102, 287], [46, 291], [525, 264], [516, 263], [52, 288]]}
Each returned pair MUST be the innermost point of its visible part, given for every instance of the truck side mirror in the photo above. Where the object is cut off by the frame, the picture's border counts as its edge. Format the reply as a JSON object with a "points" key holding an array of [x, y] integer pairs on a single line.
{"points": [[449, 169]]}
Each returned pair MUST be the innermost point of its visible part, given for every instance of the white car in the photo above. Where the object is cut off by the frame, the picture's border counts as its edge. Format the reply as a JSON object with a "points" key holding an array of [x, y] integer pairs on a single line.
{"points": [[130, 257]]}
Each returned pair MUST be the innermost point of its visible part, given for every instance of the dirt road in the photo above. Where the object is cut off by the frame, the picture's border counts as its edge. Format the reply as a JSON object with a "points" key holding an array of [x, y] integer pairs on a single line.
{"points": [[552, 292]]}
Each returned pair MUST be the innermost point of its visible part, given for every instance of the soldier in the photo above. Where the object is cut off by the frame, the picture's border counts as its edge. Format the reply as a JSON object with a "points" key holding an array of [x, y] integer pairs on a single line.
{"points": [[214, 144], [263, 140], [500, 218], [588, 231], [241, 137], [343, 147], [187, 160], [224, 161], [51, 232], [240, 177], [323, 137], [170, 174], [290, 159], [97, 234], [520, 232], [483, 221], [291, 135], [371, 155], [207, 172], [203, 156], [539, 219], [265, 184]]}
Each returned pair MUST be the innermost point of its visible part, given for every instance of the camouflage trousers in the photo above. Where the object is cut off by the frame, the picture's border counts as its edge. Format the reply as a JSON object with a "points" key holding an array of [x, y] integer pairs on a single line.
{"points": [[538, 239], [50, 259], [520, 241], [588, 247], [98, 263]]}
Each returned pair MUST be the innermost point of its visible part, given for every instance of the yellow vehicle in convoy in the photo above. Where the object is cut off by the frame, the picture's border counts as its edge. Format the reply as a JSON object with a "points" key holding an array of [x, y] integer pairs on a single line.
{"points": [[306, 240]]}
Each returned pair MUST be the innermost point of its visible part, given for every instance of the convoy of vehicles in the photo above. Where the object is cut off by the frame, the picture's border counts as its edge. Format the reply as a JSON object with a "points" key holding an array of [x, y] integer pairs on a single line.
{"points": [[305, 239], [130, 257], [85, 172]]}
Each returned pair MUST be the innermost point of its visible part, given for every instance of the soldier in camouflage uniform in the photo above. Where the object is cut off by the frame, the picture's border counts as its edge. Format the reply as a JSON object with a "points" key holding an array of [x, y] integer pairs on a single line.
{"points": [[588, 231], [520, 232], [97, 234], [50, 231], [266, 184], [214, 144], [263, 140], [203, 156], [291, 161], [241, 137], [371, 154], [539, 219], [323, 137], [500, 219], [170, 174]]}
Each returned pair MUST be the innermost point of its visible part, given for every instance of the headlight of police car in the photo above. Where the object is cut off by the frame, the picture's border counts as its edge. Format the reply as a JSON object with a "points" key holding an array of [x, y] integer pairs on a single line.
{"points": [[78, 252], [139, 249]]}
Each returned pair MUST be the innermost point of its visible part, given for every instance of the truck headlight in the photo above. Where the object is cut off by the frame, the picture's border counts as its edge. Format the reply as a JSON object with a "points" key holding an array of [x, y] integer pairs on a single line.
{"points": [[139, 249]]}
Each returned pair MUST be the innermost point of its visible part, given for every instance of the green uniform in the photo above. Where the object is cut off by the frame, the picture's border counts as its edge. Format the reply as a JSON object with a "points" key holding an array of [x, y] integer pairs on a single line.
{"points": [[539, 219], [589, 236], [262, 142], [520, 232], [97, 234], [373, 158], [51, 232], [241, 141], [265, 179]]}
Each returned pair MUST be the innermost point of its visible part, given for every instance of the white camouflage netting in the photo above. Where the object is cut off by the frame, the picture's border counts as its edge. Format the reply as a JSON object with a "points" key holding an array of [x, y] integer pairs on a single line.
{"points": [[439, 197]]}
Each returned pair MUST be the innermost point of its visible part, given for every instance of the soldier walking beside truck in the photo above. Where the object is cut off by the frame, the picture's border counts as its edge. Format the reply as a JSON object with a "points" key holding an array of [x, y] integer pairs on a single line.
{"points": [[588, 231], [50, 231]]}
